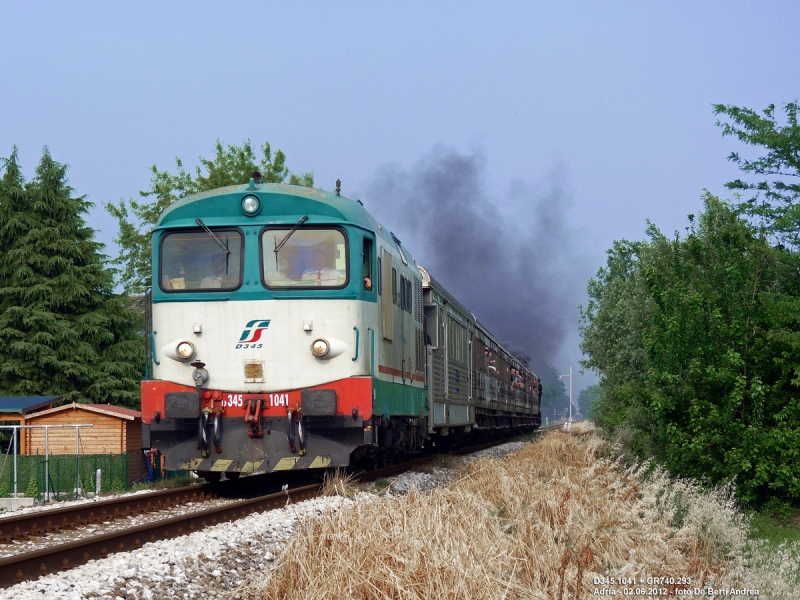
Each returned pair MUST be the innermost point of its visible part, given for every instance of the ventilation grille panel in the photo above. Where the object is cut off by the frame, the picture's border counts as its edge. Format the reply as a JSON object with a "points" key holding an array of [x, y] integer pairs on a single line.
{"points": [[419, 338], [418, 311]]}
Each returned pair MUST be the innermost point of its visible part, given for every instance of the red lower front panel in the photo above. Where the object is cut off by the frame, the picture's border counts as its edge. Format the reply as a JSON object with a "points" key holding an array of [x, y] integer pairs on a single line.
{"points": [[351, 394]]}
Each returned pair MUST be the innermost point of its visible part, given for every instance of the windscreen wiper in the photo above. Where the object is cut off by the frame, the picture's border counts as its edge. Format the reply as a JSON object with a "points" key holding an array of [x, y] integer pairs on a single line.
{"points": [[302, 220], [214, 236]]}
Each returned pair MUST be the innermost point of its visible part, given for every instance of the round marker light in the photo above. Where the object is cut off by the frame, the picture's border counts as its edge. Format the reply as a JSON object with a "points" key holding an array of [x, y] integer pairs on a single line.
{"points": [[251, 205], [185, 350], [320, 348]]}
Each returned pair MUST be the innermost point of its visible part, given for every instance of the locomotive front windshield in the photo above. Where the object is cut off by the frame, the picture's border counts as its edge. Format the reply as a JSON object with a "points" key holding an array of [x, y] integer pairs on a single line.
{"points": [[196, 261], [304, 258]]}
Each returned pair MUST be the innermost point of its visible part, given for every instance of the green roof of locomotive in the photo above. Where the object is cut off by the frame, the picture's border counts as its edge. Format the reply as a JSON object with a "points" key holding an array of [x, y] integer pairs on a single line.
{"points": [[280, 203]]}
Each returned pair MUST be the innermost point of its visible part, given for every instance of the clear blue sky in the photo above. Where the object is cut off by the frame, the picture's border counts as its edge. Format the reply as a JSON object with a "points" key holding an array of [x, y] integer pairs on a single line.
{"points": [[598, 111]]}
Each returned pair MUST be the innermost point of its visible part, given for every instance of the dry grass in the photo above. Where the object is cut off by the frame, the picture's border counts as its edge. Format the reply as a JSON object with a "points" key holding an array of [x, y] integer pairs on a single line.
{"points": [[339, 483], [538, 524]]}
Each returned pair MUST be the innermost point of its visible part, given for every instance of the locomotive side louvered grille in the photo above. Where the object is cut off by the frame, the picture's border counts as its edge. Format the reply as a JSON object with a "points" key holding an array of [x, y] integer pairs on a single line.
{"points": [[418, 311], [419, 338]]}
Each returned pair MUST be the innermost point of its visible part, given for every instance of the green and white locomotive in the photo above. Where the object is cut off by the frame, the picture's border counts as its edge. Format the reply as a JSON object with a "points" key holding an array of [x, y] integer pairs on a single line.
{"points": [[289, 329]]}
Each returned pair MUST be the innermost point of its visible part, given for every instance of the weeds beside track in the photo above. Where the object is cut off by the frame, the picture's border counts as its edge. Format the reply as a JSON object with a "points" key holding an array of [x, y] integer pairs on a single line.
{"points": [[541, 523]]}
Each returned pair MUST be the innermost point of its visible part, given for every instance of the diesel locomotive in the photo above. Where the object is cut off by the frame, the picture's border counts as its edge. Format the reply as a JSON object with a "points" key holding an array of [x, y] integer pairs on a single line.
{"points": [[288, 329]]}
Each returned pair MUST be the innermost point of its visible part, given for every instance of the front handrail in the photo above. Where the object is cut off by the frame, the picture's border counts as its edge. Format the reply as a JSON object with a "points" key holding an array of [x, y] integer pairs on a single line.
{"points": [[153, 346], [372, 351], [358, 335], [148, 325]]}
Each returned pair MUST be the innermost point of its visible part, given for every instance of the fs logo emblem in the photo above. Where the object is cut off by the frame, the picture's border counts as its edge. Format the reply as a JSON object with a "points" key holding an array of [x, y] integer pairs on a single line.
{"points": [[252, 333]]}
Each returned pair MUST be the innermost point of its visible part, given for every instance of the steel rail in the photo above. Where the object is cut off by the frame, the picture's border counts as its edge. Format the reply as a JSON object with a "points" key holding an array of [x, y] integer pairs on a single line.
{"points": [[54, 520], [31, 565], [547, 428]]}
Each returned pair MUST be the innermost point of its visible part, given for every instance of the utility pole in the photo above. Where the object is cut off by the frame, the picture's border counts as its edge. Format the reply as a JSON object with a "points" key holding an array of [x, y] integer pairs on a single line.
{"points": [[568, 424]]}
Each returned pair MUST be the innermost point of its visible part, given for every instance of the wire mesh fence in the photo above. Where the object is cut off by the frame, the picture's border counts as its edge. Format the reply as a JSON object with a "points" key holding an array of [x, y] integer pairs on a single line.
{"points": [[64, 476]]}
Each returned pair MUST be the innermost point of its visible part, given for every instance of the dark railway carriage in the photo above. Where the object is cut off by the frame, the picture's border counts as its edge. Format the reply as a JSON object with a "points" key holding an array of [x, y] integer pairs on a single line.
{"points": [[473, 381], [289, 330]]}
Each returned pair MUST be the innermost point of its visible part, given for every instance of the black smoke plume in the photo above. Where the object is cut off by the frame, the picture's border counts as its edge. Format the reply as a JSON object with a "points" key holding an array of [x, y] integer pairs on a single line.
{"points": [[506, 255]]}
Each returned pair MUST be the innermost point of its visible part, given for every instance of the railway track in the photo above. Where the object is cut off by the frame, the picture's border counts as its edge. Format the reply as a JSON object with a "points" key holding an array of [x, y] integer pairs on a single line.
{"points": [[56, 520], [557, 427], [62, 556], [59, 557]]}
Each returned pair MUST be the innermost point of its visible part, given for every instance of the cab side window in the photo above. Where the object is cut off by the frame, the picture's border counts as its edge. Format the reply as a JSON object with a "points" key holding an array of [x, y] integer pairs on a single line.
{"points": [[369, 279]]}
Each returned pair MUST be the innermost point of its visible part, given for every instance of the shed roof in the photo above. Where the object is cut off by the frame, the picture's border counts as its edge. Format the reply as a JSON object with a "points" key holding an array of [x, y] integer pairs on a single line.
{"points": [[104, 409], [25, 404]]}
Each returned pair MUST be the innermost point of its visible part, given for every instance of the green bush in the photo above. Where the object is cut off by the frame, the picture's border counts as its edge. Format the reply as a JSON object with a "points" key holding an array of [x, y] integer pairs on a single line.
{"points": [[32, 490]]}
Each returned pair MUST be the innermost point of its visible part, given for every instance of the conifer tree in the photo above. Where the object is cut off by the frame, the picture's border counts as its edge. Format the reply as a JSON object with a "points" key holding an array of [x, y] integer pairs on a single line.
{"points": [[63, 331]]}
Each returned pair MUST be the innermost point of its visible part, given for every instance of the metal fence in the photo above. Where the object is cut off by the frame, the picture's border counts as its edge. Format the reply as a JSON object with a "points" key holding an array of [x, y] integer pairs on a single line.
{"points": [[32, 471]]}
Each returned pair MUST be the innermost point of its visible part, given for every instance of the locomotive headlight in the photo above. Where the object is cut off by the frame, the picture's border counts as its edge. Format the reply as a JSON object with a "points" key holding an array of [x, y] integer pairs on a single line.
{"points": [[251, 205], [185, 350], [320, 348]]}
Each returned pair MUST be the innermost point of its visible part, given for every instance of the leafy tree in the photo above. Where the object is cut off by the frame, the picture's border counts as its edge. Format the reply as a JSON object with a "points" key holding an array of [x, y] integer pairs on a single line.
{"points": [[230, 166], [723, 349], [587, 398], [717, 392], [613, 327], [775, 196], [62, 329], [696, 338]]}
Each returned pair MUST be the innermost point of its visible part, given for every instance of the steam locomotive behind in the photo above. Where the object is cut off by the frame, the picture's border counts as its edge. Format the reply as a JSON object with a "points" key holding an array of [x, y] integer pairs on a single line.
{"points": [[288, 329]]}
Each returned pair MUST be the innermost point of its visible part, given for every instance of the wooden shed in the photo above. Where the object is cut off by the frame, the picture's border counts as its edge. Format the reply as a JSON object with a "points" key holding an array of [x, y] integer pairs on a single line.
{"points": [[115, 430]]}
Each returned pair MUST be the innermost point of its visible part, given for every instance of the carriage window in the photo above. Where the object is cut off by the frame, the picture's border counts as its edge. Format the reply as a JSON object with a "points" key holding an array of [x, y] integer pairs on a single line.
{"points": [[195, 261], [308, 258]]}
